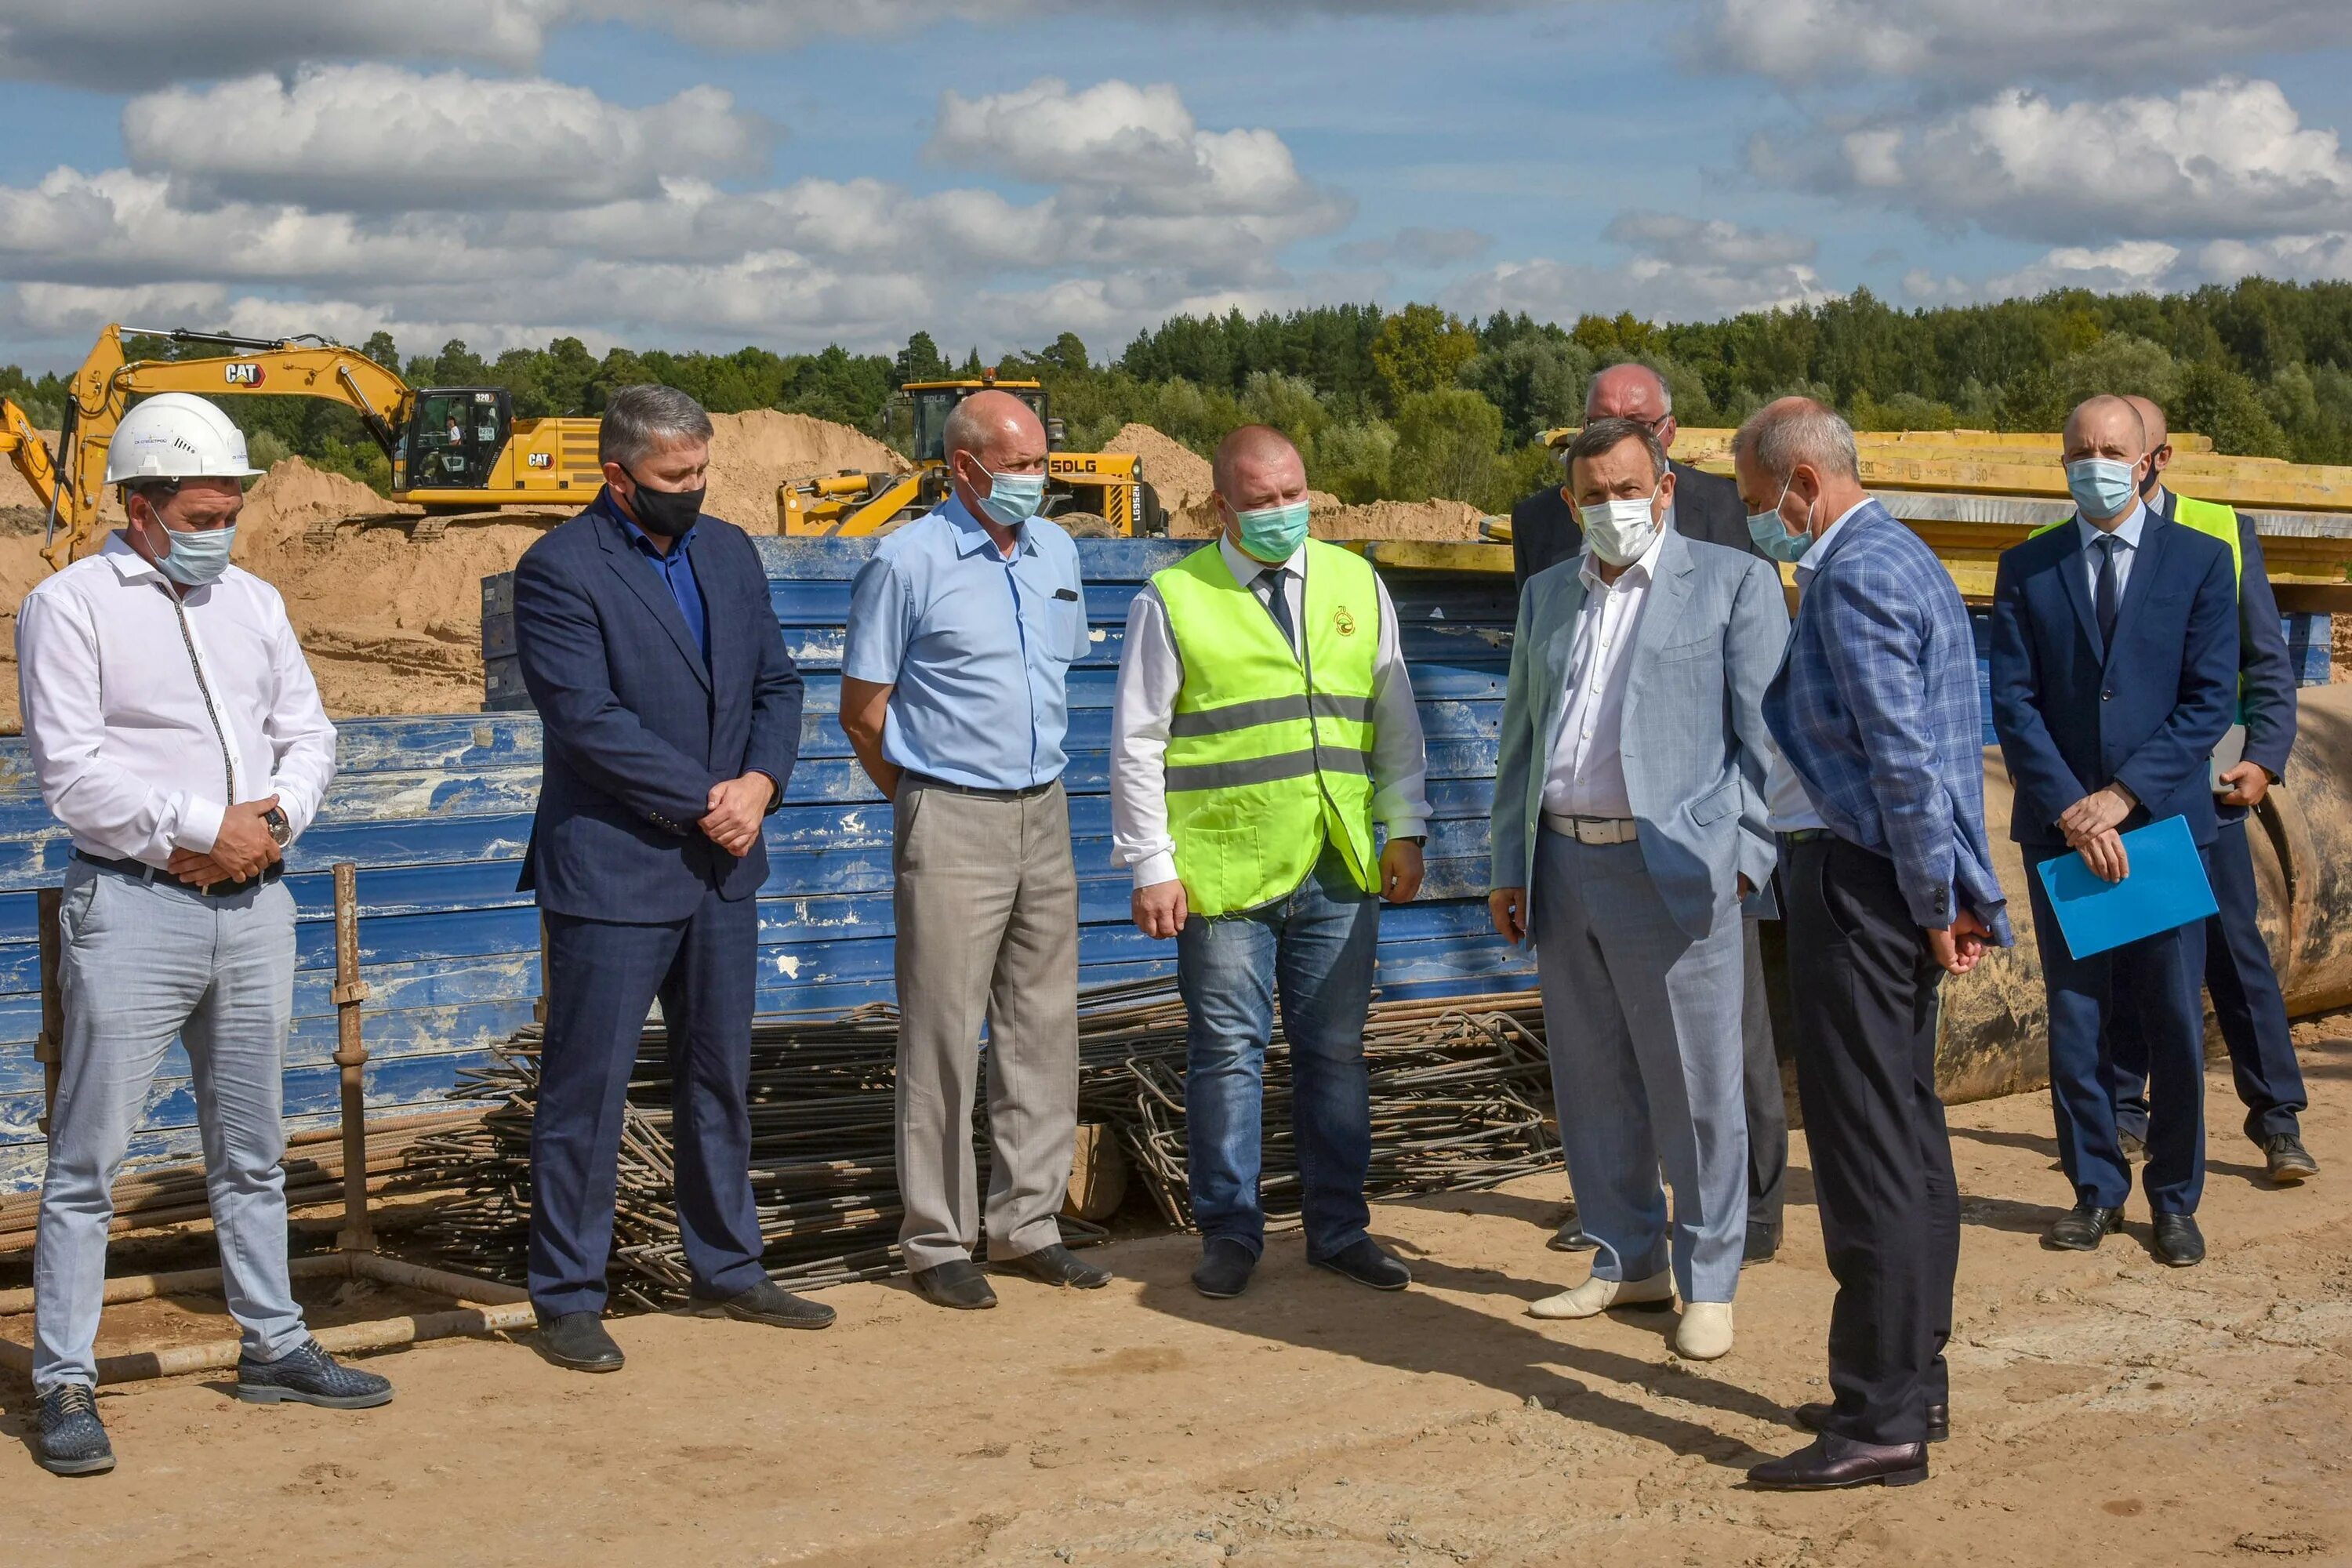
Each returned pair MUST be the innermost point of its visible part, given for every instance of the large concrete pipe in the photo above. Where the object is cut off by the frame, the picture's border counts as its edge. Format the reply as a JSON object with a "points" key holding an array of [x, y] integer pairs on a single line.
{"points": [[1995, 1036]]}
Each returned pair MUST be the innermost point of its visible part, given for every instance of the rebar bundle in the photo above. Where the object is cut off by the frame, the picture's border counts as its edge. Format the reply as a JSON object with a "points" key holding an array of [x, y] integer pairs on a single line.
{"points": [[1457, 1091]]}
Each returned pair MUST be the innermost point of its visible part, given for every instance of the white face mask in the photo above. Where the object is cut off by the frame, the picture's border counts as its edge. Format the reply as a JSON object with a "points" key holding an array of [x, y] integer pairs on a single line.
{"points": [[1620, 530]]}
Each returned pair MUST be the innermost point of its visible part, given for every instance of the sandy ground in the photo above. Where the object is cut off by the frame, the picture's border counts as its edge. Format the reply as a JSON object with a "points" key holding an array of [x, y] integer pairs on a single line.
{"points": [[2105, 1409]]}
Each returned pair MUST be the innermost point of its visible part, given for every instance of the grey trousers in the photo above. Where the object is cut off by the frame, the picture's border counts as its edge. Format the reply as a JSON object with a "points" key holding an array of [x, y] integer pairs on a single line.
{"points": [[1644, 1029], [987, 907], [144, 962]]}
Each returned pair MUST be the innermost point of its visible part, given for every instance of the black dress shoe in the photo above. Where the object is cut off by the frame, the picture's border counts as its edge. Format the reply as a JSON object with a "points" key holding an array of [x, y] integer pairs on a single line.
{"points": [[1763, 1246], [1833, 1461], [2080, 1228], [1815, 1418], [2288, 1160], [578, 1341], [1570, 1236], [1057, 1265], [1226, 1268], [766, 1303], [2178, 1242], [957, 1283], [1366, 1264]]}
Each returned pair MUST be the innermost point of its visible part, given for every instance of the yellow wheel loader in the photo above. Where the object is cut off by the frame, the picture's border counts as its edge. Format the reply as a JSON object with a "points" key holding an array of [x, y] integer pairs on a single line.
{"points": [[1099, 494]]}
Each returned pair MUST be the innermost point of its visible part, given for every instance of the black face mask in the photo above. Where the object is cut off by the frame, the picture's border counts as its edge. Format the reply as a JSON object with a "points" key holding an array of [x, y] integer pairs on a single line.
{"points": [[666, 513]]}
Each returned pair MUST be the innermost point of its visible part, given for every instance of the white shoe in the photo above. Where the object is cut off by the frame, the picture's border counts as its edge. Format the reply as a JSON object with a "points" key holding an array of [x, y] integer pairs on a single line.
{"points": [[1705, 1333], [1596, 1296]]}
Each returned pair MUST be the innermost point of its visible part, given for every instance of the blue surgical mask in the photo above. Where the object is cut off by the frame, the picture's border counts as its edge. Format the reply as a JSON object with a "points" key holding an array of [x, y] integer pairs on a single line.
{"points": [[1772, 536], [2101, 487], [1273, 532], [198, 555], [1013, 499]]}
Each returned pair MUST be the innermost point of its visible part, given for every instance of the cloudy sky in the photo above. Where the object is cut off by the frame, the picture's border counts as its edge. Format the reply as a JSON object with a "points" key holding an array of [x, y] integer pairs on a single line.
{"points": [[793, 173]]}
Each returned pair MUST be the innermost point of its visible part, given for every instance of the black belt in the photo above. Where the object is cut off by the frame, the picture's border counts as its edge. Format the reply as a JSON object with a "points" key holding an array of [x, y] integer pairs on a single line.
{"points": [[927, 781], [146, 873]]}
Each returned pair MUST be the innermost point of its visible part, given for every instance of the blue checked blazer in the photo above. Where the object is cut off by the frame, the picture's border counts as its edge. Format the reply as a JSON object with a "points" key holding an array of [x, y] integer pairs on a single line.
{"points": [[1875, 708]]}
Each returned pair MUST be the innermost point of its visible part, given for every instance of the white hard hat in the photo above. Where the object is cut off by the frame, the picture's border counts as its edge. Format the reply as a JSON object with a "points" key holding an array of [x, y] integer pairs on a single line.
{"points": [[176, 435]]}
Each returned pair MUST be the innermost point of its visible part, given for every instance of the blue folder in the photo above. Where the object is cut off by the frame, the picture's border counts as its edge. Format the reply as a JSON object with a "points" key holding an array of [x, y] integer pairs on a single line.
{"points": [[2166, 889]]}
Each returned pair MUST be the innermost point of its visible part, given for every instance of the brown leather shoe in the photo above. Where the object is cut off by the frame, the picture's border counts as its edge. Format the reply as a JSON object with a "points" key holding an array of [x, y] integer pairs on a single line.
{"points": [[1833, 1462], [1815, 1418]]}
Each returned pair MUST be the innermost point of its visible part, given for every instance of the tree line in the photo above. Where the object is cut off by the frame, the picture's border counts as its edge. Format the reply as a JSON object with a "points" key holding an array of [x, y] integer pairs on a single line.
{"points": [[1416, 402]]}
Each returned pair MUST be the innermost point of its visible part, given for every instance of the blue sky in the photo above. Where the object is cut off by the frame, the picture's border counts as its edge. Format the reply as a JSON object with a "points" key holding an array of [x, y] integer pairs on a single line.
{"points": [[710, 172]]}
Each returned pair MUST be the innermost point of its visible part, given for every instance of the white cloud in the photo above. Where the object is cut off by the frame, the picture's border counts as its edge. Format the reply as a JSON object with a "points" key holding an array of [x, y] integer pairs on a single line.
{"points": [[1809, 42], [2144, 267], [129, 44], [1683, 269], [2231, 159], [639, 243], [375, 138]]}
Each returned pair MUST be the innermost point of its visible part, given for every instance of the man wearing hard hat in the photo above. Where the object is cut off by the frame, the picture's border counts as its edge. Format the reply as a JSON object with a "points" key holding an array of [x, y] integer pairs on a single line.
{"points": [[178, 735]]}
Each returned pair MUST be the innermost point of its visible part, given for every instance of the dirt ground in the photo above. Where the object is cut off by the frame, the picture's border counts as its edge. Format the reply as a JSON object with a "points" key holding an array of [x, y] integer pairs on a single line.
{"points": [[2105, 1409]]}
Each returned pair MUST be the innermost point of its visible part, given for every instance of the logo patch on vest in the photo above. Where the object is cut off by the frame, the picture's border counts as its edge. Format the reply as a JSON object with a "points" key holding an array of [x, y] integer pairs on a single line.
{"points": [[1344, 622]]}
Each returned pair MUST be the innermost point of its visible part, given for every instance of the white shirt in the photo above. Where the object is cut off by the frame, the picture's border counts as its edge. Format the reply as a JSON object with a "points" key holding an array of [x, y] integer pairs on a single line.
{"points": [[149, 715], [1588, 772], [1151, 674], [2129, 532], [1787, 808]]}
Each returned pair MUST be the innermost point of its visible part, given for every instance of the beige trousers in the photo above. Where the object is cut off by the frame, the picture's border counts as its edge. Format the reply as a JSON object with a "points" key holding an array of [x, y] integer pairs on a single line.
{"points": [[987, 905]]}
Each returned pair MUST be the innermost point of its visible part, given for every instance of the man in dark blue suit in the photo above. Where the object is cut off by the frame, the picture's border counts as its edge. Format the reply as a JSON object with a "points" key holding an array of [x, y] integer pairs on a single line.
{"points": [[672, 718], [2114, 674], [2247, 1002]]}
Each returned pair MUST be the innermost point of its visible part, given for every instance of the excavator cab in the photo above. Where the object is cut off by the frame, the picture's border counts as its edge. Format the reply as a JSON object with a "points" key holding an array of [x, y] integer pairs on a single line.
{"points": [[934, 400], [454, 438]]}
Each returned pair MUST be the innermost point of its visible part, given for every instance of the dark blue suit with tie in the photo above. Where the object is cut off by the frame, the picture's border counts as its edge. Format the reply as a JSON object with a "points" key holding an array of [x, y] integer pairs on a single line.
{"points": [[2239, 976], [2142, 705], [644, 711]]}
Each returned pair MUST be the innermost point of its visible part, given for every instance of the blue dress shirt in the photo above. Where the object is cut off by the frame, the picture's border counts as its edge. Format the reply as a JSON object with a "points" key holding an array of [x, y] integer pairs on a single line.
{"points": [[676, 570], [977, 646]]}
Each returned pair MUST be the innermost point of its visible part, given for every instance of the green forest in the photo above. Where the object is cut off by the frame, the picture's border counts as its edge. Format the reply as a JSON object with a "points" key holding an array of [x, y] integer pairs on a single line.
{"points": [[1417, 403]]}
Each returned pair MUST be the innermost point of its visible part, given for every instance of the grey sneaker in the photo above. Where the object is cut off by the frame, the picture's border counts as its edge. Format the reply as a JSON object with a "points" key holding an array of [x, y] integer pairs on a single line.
{"points": [[73, 1440], [306, 1375]]}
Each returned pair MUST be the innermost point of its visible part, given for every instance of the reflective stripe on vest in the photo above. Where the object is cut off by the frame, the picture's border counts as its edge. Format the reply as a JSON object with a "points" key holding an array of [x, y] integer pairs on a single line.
{"points": [[1261, 773]]}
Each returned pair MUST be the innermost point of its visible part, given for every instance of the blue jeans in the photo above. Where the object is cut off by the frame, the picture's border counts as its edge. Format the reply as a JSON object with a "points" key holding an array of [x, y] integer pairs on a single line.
{"points": [[1317, 946], [144, 962]]}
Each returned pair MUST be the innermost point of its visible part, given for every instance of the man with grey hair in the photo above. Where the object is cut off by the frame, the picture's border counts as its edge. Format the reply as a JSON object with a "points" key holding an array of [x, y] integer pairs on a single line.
{"points": [[1545, 531], [962, 629], [1889, 884], [1628, 832], [672, 717]]}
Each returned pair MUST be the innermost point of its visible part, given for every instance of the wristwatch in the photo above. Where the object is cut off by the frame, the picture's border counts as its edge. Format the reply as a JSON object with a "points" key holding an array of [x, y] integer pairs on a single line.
{"points": [[282, 831]]}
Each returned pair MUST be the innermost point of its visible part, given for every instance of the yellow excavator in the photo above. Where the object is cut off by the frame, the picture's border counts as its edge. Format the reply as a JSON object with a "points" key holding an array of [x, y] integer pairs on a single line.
{"points": [[1099, 494], [452, 449]]}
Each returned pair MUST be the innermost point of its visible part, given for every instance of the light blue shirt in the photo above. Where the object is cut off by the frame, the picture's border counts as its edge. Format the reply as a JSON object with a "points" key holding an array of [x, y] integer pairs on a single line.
{"points": [[977, 647], [2129, 532]]}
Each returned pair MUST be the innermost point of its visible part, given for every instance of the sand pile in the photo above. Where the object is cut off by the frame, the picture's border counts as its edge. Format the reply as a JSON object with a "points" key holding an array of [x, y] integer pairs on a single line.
{"points": [[1180, 474], [754, 452], [1186, 488]]}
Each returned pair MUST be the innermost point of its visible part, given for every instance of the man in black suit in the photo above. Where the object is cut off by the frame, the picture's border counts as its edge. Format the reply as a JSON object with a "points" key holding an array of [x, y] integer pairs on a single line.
{"points": [[1706, 506], [672, 718]]}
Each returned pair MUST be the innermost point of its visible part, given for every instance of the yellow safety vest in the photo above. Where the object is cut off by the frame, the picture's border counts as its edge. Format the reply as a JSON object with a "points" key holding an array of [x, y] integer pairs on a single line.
{"points": [[1270, 759]]}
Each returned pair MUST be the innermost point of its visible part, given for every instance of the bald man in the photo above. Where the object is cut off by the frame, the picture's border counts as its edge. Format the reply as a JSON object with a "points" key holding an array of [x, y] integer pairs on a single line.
{"points": [[2239, 976], [2114, 674], [1263, 724], [1545, 531], [963, 629]]}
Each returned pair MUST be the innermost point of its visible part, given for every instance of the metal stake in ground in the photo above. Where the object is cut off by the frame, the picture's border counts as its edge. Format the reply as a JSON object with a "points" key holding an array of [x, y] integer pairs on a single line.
{"points": [[351, 1055]]}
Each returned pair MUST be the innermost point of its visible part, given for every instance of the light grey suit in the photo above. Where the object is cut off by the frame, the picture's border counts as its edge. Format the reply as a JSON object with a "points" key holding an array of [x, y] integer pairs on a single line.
{"points": [[1638, 945]]}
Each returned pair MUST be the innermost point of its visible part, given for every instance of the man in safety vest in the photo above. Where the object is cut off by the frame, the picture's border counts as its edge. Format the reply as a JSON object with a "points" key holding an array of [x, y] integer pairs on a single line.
{"points": [[1263, 723], [2239, 976]]}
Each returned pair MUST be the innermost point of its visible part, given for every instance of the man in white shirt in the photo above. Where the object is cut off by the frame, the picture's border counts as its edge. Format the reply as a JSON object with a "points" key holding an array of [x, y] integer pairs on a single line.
{"points": [[178, 736], [1263, 723], [1629, 830]]}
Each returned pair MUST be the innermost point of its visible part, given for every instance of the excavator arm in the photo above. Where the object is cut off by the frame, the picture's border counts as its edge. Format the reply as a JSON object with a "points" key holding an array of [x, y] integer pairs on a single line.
{"points": [[102, 388], [22, 446]]}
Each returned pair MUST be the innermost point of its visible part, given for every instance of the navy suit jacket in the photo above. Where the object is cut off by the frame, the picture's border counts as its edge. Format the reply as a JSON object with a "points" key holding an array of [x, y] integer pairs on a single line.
{"points": [[2074, 717], [637, 727]]}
